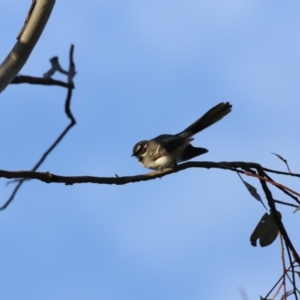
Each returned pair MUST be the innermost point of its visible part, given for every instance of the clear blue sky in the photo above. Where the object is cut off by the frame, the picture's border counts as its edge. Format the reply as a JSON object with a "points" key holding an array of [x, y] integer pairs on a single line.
{"points": [[145, 68]]}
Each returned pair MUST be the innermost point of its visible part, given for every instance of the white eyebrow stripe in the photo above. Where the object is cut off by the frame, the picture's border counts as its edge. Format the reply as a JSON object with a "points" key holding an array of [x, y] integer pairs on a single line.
{"points": [[157, 149]]}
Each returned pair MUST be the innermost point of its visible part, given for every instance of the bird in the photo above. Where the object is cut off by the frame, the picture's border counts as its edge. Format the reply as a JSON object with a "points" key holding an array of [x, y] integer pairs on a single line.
{"points": [[167, 150]]}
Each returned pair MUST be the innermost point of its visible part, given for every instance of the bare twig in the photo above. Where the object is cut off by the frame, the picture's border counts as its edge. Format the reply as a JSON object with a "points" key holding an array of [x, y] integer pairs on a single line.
{"points": [[39, 80], [278, 221], [281, 173], [70, 116], [281, 188], [283, 263]]}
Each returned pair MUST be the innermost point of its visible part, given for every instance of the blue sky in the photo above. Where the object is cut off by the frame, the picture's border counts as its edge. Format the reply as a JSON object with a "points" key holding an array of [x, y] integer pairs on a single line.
{"points": [[145, 68]]}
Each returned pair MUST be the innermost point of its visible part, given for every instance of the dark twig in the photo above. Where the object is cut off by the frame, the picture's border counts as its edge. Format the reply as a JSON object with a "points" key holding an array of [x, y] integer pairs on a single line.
{"points": [[274, 286], [273, 209], [285, 203], [283, 263], [70, 116], [119, 180], [293, 274], [69, 180], [284, 190], [39, 80], [281, 172]]}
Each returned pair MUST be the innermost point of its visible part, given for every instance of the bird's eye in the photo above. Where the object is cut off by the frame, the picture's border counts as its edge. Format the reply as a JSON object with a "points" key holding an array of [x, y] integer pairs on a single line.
{"points": [[139, 148], [144, 148]]}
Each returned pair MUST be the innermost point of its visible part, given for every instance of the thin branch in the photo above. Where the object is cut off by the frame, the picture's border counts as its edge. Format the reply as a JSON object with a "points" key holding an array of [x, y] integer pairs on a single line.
{"points": [[70, 116], [272, 182], [278, 221], [274, 286], [281, 188], [293, 274], [283, 263], [285, 203], [284, 189], [281, 172], [119, 180], [39, 80]]}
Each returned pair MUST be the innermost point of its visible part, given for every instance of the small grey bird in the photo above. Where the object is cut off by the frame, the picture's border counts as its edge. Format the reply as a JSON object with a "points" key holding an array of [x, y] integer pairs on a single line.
{"points": [[167, 150]]}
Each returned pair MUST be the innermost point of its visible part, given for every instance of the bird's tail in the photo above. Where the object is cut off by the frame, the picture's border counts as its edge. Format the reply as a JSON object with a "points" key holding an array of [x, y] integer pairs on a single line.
{"points": [[214, 115]]}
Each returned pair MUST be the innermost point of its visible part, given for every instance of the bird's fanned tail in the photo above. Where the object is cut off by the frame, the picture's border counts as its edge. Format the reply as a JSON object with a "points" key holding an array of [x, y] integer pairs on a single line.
{"points": [[214, 115]]}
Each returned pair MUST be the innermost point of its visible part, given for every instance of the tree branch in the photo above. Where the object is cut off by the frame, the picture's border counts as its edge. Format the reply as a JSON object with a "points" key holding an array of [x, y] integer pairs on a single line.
{"points": [[39, 80], [69, 180], [34, 25], [70, 86]]}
